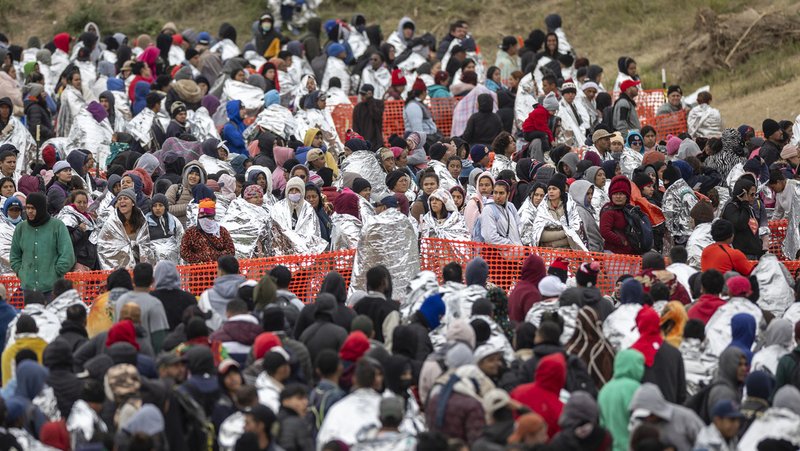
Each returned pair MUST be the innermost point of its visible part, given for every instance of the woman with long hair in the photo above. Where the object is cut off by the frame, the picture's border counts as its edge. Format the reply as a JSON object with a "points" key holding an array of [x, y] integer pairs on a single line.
{"points": [[124, 239], [82, 229]]}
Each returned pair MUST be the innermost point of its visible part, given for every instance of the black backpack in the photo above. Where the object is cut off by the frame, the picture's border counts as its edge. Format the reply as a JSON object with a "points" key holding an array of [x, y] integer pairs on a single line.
{"points": [[197, 429], [699, 402], [638, 229]]}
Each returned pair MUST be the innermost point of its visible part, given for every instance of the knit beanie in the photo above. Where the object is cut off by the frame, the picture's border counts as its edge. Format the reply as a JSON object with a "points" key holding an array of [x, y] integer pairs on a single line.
{"points": [[673, 144], [477, 271], [759, 384], [360, 184], [393, 177], [559, 181], [641, 179], [587, 274], [769, 126], [478, 152], [433, 310], [129, 193], [739, 286], [631, 292], [437, 151], [559, 268], [671, 174], [354, 347], [550, 102]]}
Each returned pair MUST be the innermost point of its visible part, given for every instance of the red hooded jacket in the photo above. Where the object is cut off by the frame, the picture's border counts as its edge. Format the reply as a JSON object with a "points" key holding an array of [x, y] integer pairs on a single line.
{"points": [[526, 292], [538, 121], [705, 307], [541, 396]]}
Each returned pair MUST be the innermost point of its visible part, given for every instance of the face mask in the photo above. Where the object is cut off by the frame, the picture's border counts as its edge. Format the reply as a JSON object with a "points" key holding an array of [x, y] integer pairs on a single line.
{"points": [[209, 225], [294, 197], [15, 221], [266, 26]]}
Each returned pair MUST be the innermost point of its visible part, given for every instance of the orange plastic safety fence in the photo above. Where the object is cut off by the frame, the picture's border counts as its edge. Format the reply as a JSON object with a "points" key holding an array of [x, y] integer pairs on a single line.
{"points": [[505, 262], [393, 118], [442, 111], [669, 124], [777, 235], [342, 119], [647, 104]]}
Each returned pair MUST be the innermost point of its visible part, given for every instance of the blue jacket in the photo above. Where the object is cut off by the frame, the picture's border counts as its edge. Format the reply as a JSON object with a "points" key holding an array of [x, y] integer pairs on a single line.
{"points": [[232, 132]]}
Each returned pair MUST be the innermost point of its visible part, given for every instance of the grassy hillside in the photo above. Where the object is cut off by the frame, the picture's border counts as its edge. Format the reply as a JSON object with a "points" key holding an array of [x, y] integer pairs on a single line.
{"points": [[651, 31]]}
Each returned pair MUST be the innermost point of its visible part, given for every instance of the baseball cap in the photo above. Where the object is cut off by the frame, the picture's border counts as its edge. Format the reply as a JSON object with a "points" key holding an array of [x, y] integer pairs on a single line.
{"points": [[366, 87], [391, 407], [726, 409], [314, 155], [495, 400], [530, 423], [168, 358], [628, 84], [600, 134]]}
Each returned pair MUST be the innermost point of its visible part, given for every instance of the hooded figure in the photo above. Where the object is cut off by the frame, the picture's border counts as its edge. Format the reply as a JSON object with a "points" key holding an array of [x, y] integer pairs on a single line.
{"points": [[232, 131], [483, 126], [743, 334], [168, 291], [778, 341], [678, 425], [526, 291], [615, 397], [31, 377], [579, 192], [294, 223], [542, 395], [728, 383], [663, 363]]}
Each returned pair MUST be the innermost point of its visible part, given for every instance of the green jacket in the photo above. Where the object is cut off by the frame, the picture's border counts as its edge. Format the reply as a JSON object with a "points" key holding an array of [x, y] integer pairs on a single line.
{"points": [[786, 366], [616, 395], [41, 255]]}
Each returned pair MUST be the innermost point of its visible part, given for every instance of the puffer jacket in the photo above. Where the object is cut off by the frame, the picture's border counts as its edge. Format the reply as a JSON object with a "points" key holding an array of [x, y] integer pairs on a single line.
{"points": [[179, 196]]}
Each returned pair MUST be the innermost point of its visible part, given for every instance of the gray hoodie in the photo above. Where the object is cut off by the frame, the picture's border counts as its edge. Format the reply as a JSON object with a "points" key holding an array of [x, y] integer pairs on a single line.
{"points": [[728, 385], [224, 290], [679, 425], [591, 231]]}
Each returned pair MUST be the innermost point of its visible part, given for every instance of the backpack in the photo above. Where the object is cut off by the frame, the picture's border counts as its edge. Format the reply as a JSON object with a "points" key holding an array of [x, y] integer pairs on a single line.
{"points": [[197, 428], [698, 402], [638, 229]]}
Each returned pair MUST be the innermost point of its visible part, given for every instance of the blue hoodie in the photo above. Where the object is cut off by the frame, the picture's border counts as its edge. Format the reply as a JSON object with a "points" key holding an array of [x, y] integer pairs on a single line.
{"points": [[140, 92], [232, 132], [743, 333], [30, 378]]}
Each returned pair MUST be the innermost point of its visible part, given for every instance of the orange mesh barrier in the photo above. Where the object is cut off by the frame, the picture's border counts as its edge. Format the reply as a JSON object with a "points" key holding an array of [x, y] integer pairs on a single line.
{"points": [[669, 124], [442, 111], [777, 235], [393, 118], [342, 119], [505, 262], [308, 271]]}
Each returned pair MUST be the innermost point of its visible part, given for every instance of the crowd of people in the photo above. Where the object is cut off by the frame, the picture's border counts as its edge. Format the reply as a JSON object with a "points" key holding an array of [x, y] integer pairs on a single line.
{"points": [[138, 155]]}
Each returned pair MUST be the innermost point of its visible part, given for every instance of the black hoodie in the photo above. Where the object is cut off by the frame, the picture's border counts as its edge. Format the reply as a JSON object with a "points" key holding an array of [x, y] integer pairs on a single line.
{"points": [[484, 125], [67, 387]]}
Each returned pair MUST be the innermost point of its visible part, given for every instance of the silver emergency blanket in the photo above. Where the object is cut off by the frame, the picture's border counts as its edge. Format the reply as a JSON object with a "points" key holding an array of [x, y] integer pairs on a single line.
{"points": [[82, 422], [276, 119], [718, 328], [619, 327], [526, 100], [775, 293], [568, 312], [387, 239], [698, 364], [87, 133], [248, 225], [422, 286], [230, 431], [191, 214], [17, 134], [188, 150], [140, 127], [116, 250], [200, 124], [791, 244], [322, 120], [544, 220], [679, 199], [213, 165], [226, 48], [777, 423], [27, 441], [88, 77], [303, 238], [46, 321], [628, 161], [527, 215], [122, 111], [72, 103], [452, 228], [698, 240], [169, 248], [103, 207], [346, 231], [365, 208], [6, 234], [459, 299], [365, 164], [792, 313], [72, 218], [446, 180], [251, 96], [501, 163], [65, 300], [498, 338]]}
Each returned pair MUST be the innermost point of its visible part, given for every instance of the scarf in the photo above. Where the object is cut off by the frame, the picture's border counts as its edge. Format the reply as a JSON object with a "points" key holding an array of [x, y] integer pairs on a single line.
{"points": [[85, 215], [209, 226], [590, 345]]}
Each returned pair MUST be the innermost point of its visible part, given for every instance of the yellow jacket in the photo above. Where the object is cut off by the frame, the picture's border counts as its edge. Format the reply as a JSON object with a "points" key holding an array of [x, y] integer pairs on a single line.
{"points": [[23, 341]]}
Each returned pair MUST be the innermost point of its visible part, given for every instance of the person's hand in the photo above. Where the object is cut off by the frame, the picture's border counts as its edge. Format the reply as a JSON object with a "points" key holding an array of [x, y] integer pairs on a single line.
{"points": [[82, 227]]}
